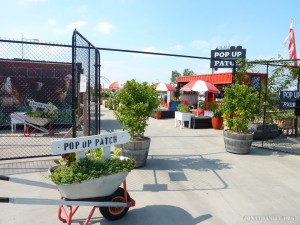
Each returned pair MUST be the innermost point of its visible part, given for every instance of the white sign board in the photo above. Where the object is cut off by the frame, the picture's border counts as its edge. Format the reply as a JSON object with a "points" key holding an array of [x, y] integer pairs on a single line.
{"points": [[89, 142], [83, 81], [34, 105]]}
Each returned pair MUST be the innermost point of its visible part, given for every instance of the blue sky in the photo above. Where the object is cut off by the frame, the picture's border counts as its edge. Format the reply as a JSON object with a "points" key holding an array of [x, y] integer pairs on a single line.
{"points": [[187, 27]]}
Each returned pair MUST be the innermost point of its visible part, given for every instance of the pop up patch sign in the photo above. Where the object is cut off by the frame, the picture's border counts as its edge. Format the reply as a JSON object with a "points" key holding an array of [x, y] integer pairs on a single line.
{"points": [[224, 58]]}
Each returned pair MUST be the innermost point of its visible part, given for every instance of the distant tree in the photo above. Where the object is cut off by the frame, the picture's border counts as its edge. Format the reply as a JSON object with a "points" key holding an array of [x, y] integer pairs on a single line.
{"points": [[188, 72], [174, 76]]}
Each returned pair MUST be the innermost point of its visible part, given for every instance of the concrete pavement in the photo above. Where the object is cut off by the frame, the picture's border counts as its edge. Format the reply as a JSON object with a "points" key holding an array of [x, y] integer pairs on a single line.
{"points": [[189, 179]]}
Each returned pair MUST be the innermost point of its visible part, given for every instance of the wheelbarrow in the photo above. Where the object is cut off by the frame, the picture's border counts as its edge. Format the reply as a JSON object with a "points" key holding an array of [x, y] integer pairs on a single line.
{"points": [[112, 207]]}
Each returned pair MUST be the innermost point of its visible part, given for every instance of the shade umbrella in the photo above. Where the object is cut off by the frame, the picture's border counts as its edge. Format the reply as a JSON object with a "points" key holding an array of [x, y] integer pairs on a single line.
{"points": [[161, 86], [116, 85], [200, 86]]}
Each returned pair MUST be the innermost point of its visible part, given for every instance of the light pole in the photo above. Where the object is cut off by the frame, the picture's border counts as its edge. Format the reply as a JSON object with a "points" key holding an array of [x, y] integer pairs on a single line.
{"points": [[26, 39]]}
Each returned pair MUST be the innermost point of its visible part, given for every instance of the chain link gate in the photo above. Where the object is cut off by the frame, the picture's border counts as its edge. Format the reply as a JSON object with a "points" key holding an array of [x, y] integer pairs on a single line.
{"points": [[86, 86], [35, 74]]}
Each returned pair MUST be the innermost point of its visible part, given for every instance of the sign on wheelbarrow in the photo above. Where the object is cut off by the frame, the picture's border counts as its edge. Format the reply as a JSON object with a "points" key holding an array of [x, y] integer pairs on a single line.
{"points": [[82, 144]]}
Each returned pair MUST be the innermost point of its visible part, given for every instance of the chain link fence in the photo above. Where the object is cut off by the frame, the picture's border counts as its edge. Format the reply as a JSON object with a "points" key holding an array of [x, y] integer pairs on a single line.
{"points": [[43, 97]]}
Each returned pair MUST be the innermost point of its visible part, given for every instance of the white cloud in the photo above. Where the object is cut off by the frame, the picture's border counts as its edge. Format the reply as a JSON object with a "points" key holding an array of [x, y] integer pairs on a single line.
{"points": [[105, 27], [177, 47], [52, 22]]}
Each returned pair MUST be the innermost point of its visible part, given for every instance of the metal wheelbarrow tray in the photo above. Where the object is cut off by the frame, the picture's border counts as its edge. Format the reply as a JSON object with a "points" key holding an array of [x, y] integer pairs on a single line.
{"points": [[112, 207]]}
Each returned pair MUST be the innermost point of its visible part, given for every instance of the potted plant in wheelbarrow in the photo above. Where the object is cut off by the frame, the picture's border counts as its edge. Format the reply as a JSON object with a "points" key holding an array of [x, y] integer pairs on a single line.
{"points": [[40, 113], [94, 178], [137, 101]]}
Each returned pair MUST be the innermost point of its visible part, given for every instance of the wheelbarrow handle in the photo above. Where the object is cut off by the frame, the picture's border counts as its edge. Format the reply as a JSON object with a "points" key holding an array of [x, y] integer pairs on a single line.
{"points": [[4, 200], [6, 178]]}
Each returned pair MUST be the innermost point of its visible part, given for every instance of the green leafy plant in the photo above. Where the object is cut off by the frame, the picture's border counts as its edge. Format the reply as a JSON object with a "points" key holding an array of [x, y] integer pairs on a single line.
{"points": [[218, 112], [212, 106], [284, 115], [240, 101], [43, 113], [88, 169], [137, 101], [201, 105], [183, 108]]}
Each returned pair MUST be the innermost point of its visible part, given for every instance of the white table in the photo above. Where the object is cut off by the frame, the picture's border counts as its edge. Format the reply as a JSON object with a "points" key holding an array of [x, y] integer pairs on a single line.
{"points": [[17, 118], [182, 117]]}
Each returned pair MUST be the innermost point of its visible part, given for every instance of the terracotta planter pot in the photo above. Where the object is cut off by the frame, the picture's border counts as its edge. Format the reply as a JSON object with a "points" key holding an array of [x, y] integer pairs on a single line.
{"points": [[201, 112], [217, 122], [157, 115]]}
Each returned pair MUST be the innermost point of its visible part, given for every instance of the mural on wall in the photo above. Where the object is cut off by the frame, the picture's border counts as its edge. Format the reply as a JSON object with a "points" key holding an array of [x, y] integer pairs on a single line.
{"points": [[38, 81]]}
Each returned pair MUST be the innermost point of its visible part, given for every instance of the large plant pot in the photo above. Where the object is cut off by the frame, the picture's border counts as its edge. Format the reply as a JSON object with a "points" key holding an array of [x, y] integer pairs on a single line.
{"points": [[217, 122], [237, 142], [100, 187], [137, 150]]}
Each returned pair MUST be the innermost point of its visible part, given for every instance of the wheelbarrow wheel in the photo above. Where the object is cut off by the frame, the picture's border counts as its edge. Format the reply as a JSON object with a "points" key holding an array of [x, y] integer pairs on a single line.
{"points": [[115, 213]]}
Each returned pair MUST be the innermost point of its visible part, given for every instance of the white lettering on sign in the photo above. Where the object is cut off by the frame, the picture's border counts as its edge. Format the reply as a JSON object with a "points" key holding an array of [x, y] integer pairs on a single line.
{"points": [[290, 95], [223, 63], [224, 58], [35, 105], [288, 104], [88, 142]]}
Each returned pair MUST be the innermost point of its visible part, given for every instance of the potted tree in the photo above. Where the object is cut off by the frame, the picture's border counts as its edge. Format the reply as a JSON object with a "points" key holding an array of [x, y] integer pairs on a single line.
{"points": [[137, 101], [239, 102]]}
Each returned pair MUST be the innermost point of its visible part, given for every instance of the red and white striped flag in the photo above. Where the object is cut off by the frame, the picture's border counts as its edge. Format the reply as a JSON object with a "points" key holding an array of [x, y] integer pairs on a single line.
{"points": [[290, 42]]}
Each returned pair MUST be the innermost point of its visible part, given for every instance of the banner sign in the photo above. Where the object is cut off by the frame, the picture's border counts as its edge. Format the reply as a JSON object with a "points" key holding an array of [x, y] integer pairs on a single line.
{"points": [[219, 56], [292, 95]]}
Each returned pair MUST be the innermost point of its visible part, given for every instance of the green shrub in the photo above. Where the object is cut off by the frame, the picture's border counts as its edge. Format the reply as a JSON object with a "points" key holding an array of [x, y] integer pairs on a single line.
{"points": [[88, 169], [183, 108], [137, 101]]}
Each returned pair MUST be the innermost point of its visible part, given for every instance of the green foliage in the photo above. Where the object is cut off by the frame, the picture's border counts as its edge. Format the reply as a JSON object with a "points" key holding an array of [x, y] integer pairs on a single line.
{"points": [[104, 94], [113, 101], [239, 103], [284, 115], [175, 74], [183, 108], [218, 112], [137, 101], [201, 104], [88, 169], [41, 113], [188, 72], [212, 106]]}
